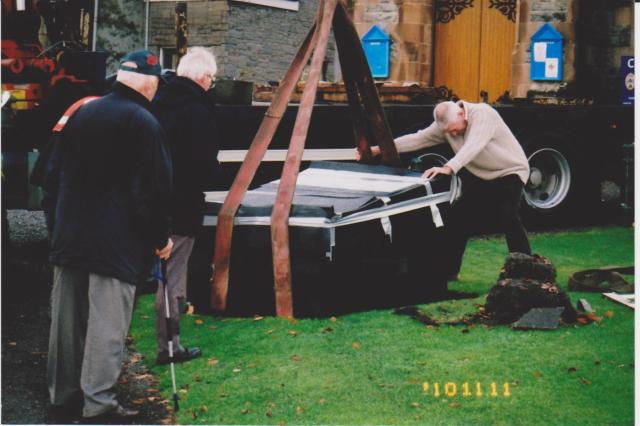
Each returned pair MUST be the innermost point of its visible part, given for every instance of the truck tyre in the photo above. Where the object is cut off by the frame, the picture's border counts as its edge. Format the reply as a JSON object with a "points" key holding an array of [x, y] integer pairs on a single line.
{"points": [[558, 183]]}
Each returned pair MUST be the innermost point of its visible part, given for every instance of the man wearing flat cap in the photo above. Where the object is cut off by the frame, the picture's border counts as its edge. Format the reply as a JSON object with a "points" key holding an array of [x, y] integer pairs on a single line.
{"points": [[106, 190]]}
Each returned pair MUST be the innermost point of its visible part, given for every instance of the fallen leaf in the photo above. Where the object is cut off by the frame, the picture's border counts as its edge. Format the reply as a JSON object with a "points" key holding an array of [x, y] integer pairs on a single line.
{"points": [[415, 404], [292, 320], [258, 318], [608, 314], [152, 398], [212, 361], [204, 409], [296, 358], [293, 333], [144, 376], [327, 330], [194, 414], [270, 331], [182, 390], [333, 319], [322, 401], [571, 370], [198, 322], [190, 309], [212, 327], [585, 381], [137, 401], [621, 366], [537, 374], [245, 411], [355, 345], [197, 378], [593, 317], [145, 317], [237, 370], [12, 343], [123, 380], [299, 410], [269, 413], [515, 383], [454, 405], [251, 365]]}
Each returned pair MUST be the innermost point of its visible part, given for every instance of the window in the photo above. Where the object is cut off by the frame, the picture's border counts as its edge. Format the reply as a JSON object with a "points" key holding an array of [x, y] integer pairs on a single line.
{"points": [[279, 4], [168, 58]]}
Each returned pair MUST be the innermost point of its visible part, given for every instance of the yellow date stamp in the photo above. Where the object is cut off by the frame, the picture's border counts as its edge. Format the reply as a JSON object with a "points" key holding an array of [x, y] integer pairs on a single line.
{"points": [[467, 389]]}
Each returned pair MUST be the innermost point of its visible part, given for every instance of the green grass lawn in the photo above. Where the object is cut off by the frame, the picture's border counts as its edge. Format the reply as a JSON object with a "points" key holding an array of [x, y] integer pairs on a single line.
{"points": [[371, 367]]}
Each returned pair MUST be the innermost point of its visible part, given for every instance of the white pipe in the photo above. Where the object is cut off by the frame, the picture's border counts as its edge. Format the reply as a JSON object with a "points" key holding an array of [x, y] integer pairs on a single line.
{"points": [[95, 26], [146, 27]]}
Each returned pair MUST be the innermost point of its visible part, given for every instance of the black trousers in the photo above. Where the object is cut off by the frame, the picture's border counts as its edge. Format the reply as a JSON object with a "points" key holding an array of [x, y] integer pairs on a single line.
{"points": [[483, 202]]}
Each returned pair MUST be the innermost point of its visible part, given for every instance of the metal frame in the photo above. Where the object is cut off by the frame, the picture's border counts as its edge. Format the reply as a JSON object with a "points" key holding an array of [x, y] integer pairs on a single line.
{"points": [[370, 126]]}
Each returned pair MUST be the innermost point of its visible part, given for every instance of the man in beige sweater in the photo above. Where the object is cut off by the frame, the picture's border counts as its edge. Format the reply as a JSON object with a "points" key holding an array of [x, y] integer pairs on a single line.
{"points": [[496, 164]]}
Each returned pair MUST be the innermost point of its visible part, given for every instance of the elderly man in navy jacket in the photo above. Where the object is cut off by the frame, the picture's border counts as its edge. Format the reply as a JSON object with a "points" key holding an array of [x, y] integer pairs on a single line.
{"points": [[186, 113], [106, 191]]}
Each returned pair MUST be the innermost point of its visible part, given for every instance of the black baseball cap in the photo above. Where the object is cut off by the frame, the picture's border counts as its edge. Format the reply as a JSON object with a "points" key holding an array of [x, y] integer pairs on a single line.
{"points": [[145, 63]]}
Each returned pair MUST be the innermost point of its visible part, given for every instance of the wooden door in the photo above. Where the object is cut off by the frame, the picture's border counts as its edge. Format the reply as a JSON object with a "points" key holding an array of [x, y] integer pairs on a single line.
{"points": [[474, 42]]}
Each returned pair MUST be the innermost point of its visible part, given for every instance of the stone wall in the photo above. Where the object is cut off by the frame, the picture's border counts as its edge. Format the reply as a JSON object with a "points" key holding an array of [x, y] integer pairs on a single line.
{"points": [[605, 32], [262, 41], [533, 14], [409, 23], [207, 24], [596, 34]]}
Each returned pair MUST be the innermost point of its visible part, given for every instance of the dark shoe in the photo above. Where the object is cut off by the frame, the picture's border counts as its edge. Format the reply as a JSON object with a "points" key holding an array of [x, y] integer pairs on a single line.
{"points": [[118, 415], [65, 414], [183, 356]]}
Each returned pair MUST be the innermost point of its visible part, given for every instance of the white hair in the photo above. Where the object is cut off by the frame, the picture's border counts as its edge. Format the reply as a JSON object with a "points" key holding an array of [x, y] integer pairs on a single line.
{"points": [[445, 113], [197, 63]]}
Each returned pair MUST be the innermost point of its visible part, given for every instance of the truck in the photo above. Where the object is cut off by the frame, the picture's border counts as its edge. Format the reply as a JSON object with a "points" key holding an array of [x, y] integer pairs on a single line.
{"points": [[581, 154]]}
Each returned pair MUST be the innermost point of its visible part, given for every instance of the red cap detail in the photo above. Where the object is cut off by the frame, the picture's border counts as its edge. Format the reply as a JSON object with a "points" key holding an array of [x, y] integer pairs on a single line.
{"points": [[152, 60]]}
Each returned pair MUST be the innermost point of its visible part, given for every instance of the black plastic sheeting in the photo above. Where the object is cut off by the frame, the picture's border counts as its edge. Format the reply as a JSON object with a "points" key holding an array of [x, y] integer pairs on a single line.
{"points": [[365, 269]]}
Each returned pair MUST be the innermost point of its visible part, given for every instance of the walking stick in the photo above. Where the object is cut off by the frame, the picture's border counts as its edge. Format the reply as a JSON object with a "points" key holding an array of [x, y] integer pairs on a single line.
{"points": [[162, 271]]}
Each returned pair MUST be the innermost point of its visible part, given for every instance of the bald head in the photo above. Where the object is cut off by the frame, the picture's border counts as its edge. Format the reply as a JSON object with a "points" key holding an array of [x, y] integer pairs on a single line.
{"points": [[450, 118], [144, 84]]}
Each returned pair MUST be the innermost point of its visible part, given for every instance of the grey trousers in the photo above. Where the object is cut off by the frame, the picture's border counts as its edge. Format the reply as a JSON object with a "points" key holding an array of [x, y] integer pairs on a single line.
{"points": [[90, 318], [177, 289]]}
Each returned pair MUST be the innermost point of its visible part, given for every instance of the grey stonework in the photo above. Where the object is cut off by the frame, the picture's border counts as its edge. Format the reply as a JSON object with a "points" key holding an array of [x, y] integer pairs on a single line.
{"points": [[251, 42], [549, 10], [261, 41]]}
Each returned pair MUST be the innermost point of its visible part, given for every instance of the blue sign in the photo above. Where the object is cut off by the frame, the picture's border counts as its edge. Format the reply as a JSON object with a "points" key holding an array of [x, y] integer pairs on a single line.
{"points": [[376, 48], [627, 76], [546, 54]]}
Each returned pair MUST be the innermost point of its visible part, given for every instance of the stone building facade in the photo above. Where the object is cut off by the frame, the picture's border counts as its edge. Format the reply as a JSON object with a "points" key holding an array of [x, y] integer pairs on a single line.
{"points": [[251, 41], [409, 24], [596, 34]]}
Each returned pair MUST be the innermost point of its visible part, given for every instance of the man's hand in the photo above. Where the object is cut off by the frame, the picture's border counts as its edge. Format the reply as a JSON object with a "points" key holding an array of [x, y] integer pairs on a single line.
{"points": [[435, 171], [375, 151], [166, 251]]}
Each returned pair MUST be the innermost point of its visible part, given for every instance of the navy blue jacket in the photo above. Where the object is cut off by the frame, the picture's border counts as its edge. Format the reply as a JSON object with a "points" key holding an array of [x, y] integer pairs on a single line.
{"points": [[106, 188], [187, 115]]}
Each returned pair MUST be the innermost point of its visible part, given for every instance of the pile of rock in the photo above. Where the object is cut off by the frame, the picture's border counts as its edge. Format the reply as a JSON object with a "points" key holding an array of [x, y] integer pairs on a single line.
{"points": [[526, 282]]}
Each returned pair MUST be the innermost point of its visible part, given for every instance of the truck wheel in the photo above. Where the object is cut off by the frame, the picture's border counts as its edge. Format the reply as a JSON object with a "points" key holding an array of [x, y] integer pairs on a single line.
{"points": [[549, 179], [559, 184]]}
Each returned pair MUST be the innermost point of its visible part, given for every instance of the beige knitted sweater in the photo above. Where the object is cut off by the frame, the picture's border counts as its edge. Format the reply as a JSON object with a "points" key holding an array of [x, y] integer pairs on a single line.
{"points": [[487, 149]]}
